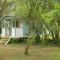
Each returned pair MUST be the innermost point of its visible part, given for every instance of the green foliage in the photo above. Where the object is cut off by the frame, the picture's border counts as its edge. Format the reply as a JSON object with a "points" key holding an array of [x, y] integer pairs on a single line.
{"points": [[42, 15]]}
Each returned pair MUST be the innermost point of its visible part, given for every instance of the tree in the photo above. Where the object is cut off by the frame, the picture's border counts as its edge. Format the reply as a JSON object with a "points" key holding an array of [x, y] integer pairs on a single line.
{"points": [[43, 16]]}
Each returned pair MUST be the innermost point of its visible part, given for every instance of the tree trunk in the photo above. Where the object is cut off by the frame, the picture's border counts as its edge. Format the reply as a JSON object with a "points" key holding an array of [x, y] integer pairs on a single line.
{"points": [[30, 30], [26, 49]]}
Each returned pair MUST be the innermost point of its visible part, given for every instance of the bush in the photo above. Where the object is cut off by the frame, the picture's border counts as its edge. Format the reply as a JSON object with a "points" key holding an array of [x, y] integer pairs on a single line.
{"points": [[35, 41], [17, 40]]}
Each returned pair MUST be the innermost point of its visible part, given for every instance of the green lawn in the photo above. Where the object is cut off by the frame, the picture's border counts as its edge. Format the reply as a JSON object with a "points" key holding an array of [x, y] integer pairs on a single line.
{"points": [[16, 52]]}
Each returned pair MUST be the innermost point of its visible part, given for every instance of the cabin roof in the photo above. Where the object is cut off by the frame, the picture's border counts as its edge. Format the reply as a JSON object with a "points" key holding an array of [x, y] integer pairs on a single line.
{"points": [[12, 18]]}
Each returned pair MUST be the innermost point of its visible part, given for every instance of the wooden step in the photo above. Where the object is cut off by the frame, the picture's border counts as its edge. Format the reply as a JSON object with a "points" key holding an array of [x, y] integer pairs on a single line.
{"points": [[5, 40]]}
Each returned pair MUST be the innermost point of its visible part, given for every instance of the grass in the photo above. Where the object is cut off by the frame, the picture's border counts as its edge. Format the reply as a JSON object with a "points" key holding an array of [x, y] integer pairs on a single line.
{"points": [[16, 52]]}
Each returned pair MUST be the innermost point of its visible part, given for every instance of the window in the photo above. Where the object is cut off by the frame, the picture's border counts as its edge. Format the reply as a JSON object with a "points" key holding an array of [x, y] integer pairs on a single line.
{"points": [[13, 24], [17, 23]]}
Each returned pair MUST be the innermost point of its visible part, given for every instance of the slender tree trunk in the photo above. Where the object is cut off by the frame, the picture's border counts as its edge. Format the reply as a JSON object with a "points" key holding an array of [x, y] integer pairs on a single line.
{"points": [[26, 49], [30, 30]]}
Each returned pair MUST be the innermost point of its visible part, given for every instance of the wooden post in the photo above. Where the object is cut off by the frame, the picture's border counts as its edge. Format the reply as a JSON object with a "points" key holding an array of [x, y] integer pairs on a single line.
{"points": [[15, 28], [0, 28], [11, 27], [5, 28]]}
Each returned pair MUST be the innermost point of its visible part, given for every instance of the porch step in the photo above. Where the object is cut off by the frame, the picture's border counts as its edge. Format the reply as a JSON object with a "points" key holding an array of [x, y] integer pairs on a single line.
{"points": [[5, 40]]}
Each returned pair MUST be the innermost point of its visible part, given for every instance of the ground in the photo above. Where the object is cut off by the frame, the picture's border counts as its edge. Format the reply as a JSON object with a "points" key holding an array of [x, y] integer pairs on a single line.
{"points": [[16, 52]]}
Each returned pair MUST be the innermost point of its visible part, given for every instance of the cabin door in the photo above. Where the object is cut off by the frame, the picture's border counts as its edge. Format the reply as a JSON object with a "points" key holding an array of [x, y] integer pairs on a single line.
{"points": [[8, 28]]}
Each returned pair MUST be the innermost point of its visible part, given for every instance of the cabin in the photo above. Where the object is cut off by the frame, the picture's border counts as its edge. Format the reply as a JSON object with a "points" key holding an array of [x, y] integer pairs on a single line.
{"points": [[16, 28]]}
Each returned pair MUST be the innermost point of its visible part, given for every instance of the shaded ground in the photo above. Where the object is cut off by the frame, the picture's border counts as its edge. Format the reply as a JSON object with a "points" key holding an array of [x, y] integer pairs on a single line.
{"points": [[16, 52]]}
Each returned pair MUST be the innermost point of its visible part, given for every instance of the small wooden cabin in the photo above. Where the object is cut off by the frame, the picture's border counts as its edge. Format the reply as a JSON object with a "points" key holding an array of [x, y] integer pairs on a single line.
{"points": [[15, 28]]}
